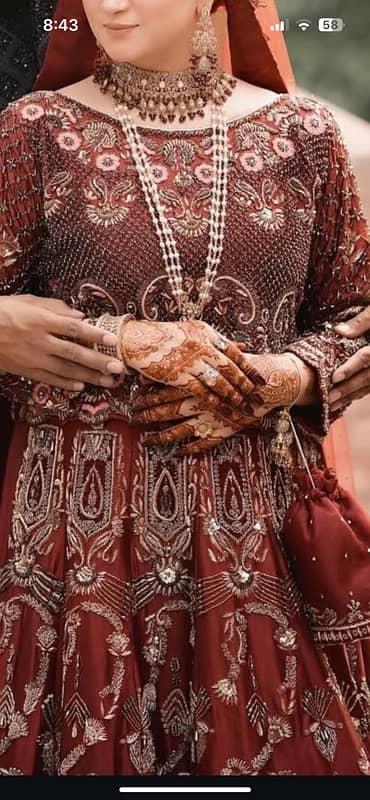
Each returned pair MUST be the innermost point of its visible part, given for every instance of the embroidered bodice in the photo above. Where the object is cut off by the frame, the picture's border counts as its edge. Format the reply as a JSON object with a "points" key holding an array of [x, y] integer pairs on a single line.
{"points": [[75, 225]]}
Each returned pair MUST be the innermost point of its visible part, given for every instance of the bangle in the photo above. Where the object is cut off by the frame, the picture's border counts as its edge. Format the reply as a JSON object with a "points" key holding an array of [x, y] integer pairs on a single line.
{"points": [[300, 379], [113, 325]]}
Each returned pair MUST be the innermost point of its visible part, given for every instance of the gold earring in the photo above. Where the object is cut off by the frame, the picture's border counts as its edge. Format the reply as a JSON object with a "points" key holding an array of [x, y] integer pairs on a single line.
{"points": [[204, 45]]}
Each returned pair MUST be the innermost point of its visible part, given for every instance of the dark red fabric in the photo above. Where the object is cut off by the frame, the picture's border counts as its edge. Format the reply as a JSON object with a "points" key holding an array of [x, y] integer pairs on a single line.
{"points": [[5, 434], [150, 621]]}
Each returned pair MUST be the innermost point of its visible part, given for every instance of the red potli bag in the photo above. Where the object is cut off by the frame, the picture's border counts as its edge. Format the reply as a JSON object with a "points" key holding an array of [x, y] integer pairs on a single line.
{"points": [[326, 537]]}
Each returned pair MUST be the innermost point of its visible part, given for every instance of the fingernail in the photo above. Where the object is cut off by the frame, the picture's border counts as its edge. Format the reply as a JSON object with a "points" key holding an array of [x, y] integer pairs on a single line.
{"points": [[339, 376], [115, 367], [110, 340], [334, 396], [78, 387], [343, 327]]}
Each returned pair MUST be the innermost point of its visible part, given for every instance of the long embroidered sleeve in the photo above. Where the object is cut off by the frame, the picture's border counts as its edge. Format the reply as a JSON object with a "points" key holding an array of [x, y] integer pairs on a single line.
{"points": [[21, 217], [338, 281]]}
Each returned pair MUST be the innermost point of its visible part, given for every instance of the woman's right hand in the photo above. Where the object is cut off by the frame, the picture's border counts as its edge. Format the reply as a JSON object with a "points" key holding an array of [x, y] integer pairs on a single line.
{"points": [[185, 354], [31, 344]]}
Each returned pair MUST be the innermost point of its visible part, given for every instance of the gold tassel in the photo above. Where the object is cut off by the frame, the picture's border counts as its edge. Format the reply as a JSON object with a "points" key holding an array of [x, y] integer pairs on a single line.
{"points": [[282, 441]]}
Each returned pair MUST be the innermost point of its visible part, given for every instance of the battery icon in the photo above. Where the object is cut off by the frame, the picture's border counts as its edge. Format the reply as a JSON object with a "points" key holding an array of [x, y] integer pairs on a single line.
{"points": [[331, 24]]}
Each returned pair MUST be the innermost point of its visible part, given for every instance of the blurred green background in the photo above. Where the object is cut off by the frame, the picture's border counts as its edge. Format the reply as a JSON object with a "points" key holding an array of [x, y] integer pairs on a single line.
{"points": [[335, 66]]}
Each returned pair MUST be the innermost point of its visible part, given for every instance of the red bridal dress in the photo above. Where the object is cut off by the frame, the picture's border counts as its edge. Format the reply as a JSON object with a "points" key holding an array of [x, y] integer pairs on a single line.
{"points": [[150, 622]]}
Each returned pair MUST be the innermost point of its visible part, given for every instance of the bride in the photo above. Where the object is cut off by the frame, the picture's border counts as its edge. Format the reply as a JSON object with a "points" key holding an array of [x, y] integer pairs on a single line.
{"points": [[212, 234]]}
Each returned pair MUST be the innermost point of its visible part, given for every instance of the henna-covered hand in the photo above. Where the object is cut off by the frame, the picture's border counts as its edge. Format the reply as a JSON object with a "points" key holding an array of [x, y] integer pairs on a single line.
{"points": [[282, 388], [185, 355], [287, 379], [196, 420]]}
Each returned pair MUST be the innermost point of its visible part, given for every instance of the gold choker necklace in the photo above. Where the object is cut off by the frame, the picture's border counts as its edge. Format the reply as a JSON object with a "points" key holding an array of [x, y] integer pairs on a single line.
{"points": [[170, 95], [167, 95]]}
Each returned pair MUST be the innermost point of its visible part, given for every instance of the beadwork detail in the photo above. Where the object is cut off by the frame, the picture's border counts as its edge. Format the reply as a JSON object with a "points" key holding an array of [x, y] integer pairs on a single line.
{"points": [[146, 598]]}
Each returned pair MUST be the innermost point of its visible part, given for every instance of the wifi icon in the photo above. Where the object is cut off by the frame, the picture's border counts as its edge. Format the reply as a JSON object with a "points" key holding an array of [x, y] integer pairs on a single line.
{"points": [[304, 24]]}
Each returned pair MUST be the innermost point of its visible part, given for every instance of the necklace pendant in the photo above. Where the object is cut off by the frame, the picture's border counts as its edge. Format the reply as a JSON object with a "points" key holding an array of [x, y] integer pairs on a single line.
{"points": [[190, 310]]}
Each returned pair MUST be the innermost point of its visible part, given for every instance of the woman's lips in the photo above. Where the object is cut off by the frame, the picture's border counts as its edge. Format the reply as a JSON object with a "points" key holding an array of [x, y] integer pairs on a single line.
{"points": [[120, 27]]}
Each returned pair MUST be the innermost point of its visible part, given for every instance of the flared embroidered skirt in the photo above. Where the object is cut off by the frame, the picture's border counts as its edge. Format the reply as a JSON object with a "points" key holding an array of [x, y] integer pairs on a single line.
{"points": [[150, 623]]}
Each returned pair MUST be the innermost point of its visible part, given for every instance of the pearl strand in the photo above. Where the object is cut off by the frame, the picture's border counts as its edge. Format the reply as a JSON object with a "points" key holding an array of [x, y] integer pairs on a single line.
{"points": [[162, 227], [218, 207]]}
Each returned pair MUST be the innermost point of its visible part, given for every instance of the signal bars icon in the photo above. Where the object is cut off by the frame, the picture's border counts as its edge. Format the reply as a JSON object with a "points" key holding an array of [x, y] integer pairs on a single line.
{"points": [[283, 25]]}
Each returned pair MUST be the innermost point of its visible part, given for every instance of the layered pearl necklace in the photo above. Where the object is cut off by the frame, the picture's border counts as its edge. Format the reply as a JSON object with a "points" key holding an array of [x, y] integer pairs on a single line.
{"points": [[187, 309]]}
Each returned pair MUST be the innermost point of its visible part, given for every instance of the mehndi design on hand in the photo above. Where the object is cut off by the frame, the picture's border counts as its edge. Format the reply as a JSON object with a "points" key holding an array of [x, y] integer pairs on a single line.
{"points": [[283, 380], [282, 388], [183, 354], [211, 426]]}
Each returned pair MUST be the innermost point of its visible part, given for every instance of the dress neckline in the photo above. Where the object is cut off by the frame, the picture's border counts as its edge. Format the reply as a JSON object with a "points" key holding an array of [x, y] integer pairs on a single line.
{"points": [[175, 132]]}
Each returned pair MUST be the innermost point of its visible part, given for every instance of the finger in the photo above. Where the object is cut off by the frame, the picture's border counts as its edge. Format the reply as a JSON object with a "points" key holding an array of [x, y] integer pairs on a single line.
{"points": [[75, 372], [356, 326], [86, 358], [53, 380], [199, 447], [172, 394], [219, 385], [58, 307], [209, 399], [91, 334], [357, 363], [163, 413], [173, 434], [226, 413], [168, 394], [234, 354], [81, 330], [359, 383], [229, 371], [343, 404], [190, 406]]}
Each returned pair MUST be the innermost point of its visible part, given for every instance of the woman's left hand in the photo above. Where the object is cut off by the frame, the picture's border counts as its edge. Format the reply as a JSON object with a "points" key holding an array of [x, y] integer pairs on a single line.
{"points": [[211, 426], [282, 388]]}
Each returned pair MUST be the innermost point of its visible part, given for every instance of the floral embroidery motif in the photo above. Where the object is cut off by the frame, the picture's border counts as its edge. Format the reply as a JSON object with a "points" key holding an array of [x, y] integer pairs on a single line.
{"points": [[140, 585], [267, 208]]}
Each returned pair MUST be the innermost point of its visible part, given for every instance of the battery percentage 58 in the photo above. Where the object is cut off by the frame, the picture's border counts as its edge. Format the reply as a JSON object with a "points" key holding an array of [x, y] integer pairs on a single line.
{"points": [[331, 24]]}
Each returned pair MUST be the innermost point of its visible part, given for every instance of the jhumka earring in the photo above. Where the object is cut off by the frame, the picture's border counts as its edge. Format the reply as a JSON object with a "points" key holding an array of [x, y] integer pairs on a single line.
{"points": [[204, 45]]}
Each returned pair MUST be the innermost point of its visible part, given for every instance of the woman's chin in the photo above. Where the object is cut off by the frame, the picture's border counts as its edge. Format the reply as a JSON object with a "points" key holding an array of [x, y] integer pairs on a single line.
{"points": [[128, 56]]}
